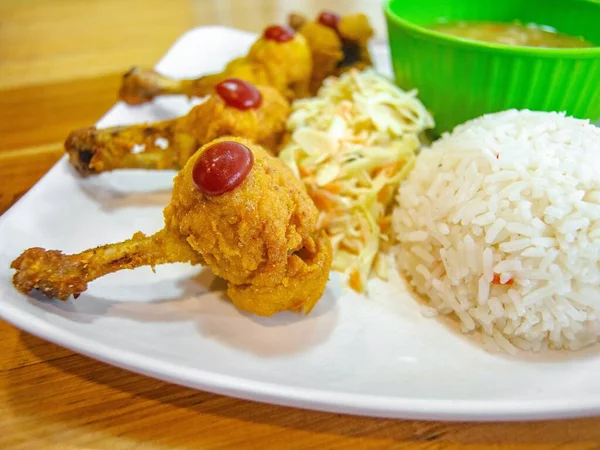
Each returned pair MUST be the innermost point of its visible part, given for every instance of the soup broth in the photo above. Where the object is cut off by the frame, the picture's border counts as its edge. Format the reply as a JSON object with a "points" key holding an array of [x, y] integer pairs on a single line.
{"points": [[512, 34]]}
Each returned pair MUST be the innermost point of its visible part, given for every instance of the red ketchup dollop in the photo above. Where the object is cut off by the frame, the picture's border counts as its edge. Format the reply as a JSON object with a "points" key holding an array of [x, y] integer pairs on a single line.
{"points": [[329, 19], [239, 94], [279, 33], [222, 167]]}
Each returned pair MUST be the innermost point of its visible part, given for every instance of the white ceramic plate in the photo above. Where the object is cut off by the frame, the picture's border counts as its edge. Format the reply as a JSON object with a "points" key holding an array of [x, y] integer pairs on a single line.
{"points": [[375, 356]]}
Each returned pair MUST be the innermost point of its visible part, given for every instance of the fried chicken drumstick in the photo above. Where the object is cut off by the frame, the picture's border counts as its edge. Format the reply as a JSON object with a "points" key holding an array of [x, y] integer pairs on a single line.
{"points": [[294, 63], [337, 43], [234, 108], [279, 58], [235, 209]]}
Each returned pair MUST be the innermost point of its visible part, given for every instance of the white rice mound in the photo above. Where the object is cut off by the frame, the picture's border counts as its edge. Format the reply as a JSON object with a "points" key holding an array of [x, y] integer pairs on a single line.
{"points": [[499, 224]]}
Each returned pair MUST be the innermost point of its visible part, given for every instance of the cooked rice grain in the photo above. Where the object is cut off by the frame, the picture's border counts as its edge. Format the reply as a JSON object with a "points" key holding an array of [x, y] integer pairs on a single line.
{"points": [[499, 224]]}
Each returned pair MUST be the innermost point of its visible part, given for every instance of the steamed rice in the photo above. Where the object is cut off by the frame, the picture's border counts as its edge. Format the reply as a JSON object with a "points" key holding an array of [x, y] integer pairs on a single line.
{"points": [[499, 225]]}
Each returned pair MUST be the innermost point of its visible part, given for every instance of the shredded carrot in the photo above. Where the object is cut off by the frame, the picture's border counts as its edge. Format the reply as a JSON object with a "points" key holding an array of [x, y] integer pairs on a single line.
{"points": [[354, 281], [496, 280], [384, 223], [385, 194], [322, 201], [392, 169], [334, 188], [303, 171]]}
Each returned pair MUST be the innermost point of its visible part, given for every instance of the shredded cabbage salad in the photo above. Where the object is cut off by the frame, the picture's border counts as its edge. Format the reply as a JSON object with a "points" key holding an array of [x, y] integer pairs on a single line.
{"points": [[352, 144]]}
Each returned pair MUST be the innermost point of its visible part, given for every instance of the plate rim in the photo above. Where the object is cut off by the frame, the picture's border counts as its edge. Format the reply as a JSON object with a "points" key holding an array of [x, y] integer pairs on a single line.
{"points": [[300, 397], [273, 393]]}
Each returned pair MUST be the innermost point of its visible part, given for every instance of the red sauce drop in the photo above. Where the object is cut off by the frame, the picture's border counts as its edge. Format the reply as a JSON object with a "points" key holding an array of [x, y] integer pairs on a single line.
{"points": [[222, 167], [329, 19], [239, 94], [496, 280], [279, 33]]}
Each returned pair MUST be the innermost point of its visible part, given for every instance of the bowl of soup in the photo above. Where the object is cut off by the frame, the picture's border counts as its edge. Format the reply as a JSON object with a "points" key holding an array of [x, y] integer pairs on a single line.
{"points": [[471, 57]]}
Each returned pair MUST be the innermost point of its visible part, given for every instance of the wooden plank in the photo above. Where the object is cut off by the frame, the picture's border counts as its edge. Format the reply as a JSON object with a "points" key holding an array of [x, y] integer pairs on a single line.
{"points": [[92, 405], [41, 114], [21, 169], [64, 40]]}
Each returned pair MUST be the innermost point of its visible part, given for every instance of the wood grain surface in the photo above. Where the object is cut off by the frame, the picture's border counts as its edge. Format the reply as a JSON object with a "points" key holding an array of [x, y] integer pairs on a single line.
{"points": [[60, 64]]}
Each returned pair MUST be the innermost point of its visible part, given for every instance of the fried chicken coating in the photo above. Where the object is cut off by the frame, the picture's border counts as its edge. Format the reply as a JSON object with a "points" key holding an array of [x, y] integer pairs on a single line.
{"points": [[170, 143], [356, 32], [260, 236], [327, 52], [296, 291], [286, 66], [337, 44]]}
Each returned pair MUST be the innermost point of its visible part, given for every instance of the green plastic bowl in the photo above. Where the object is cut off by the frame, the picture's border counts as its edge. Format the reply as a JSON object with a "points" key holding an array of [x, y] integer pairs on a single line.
{"points": [[460, 79]]}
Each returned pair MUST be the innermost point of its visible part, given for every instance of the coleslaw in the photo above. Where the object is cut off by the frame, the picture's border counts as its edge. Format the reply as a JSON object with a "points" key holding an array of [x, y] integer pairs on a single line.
{"points": [[352, 144]]}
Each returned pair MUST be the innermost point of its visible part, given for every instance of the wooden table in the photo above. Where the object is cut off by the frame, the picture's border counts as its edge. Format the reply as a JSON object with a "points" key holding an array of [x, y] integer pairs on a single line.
{"points": [[60, 64]]}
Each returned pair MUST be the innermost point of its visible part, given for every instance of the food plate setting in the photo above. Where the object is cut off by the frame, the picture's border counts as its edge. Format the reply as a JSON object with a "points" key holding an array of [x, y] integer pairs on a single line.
{"points": [[297, 229]]}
